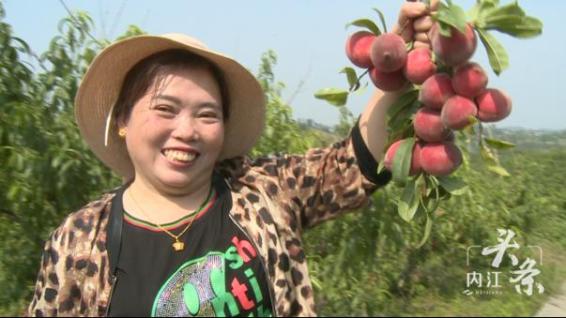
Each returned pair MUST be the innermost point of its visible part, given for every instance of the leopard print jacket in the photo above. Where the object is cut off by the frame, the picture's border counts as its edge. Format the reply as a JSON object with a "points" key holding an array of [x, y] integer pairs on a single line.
{"points": [[274, 200]]}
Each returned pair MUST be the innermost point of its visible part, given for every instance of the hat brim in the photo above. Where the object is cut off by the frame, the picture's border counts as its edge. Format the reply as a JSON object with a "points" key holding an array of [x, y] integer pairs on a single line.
{"points": [[103, 80]]}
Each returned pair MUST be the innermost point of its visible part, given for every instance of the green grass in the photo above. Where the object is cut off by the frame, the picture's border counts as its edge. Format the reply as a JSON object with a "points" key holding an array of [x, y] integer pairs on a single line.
{"points": [[509, 304]]}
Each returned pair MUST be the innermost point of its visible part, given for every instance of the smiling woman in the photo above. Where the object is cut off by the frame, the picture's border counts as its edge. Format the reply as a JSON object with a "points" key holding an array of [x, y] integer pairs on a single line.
{"points": [[179, 118], [197, 228]]}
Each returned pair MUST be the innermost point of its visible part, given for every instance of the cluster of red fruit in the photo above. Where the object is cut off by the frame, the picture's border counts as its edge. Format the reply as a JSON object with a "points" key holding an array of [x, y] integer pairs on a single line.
{"points": [[451, 99]]}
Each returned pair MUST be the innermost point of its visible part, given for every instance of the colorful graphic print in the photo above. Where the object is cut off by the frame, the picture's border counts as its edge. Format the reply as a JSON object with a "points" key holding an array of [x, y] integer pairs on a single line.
{"points": [[198, 287]]}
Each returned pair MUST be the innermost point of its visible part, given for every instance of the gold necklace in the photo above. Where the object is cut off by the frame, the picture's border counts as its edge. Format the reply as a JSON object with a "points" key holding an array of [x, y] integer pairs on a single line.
{"points": [[177, 245]]}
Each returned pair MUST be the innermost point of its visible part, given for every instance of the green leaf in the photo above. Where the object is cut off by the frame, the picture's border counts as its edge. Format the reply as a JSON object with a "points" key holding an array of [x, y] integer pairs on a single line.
{"points": [[401, 128], [512, 9], [382, 18], [409, 202], [63, 22], [472, 120], [453, 185], [509, 19], [316, 283], [402, 160], [403, 102], [433, 180], [431, 185], [366, 23], [360, 90], [353, 82], [499, 144], [498, 170], [520, 27], [380, 167], [57, 162], [480, 9], [488, 155], [498, 58], [428, 229], [334, 96], [451, 15], [402, 125], [24, 47]]}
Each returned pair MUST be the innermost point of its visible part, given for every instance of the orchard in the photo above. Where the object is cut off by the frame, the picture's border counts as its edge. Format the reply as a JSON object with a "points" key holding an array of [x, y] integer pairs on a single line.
{"points": [[363, 264], [442, 95]]}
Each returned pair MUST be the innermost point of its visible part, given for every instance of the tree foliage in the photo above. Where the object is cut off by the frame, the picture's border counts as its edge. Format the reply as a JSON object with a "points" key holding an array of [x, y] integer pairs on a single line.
{"points": [[282, 133], [46, 169]]}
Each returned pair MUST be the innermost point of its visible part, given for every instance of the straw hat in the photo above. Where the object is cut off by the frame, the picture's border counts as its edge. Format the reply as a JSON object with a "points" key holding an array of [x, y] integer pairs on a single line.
{"points": [[102, 83]]}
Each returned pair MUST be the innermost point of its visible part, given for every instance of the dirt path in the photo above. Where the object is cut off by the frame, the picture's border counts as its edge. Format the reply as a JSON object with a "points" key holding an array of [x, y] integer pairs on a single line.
{"points": [[556, 305]]}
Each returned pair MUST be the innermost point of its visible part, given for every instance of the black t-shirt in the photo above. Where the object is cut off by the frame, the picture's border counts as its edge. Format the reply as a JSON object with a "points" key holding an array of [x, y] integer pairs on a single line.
{"points": [[219, 272]]}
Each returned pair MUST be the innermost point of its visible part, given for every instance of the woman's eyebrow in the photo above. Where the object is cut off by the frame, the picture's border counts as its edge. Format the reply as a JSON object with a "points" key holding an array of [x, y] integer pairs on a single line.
{"points": [[178, 101], [170, 98]]}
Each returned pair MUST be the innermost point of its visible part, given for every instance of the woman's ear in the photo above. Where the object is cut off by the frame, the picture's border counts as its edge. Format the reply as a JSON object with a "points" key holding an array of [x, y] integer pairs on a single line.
{"points": [[120, 124]]}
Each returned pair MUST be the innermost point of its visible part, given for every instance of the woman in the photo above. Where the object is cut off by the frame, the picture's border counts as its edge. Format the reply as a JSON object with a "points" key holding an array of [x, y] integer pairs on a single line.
{"points": [[198, 228]]}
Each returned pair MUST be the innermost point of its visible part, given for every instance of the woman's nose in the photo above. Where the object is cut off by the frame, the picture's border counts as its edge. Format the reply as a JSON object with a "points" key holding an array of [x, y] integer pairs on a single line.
{"points": [[186, 129]]}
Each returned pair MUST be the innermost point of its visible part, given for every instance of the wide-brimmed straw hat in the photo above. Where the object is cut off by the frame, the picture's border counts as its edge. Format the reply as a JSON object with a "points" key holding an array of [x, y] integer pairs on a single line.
{"points": [[102, 83]]}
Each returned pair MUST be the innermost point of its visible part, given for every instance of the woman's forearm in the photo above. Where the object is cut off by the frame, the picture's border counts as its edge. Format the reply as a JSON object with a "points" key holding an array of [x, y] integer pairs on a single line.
{"points": [[373, 122]]}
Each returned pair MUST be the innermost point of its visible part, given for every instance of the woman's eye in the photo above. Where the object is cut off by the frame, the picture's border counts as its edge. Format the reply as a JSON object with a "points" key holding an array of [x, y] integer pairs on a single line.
{"points": [[209, 115], [164, 108]]}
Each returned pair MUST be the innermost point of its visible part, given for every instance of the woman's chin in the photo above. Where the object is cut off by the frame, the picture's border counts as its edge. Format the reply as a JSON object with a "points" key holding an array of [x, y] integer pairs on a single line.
{"points": [[175, 182]]}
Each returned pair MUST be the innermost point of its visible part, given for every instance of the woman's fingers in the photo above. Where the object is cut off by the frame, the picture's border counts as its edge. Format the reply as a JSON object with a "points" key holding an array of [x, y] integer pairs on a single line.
{"points": [[421, 37], [434, 5], [411, 10], [418, 44], [423, 24], [407, 32], [414, 22]]}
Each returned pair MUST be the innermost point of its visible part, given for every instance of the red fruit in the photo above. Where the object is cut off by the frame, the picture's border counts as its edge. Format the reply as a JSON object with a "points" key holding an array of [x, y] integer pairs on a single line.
{"points": [[440, 159], [415, 160], [493, 105], [416, 167], [358, 48], [419, 65], [436, 90], [457, 111], [469, 80], [387, 81], [455, 49], [388, 52], [428, 125]]}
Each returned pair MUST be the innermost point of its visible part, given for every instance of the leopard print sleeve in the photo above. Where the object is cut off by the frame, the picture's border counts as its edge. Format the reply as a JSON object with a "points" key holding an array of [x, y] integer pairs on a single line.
{"points": [[324, 182], [47, 286]]}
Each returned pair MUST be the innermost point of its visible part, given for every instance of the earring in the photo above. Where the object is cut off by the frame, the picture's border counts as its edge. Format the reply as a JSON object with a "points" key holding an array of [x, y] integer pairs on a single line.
{"points": [[122, 132]]}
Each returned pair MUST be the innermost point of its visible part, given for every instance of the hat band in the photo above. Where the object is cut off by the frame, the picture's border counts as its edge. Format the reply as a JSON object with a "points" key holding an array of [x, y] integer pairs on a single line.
{"points": [[107, 128]]}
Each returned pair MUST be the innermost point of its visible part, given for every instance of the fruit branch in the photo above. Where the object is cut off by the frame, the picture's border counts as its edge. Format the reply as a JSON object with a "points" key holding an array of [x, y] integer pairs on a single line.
{"points": [[444, 92]]}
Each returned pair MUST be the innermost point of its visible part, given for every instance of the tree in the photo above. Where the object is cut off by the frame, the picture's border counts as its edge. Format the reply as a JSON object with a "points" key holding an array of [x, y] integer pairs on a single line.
{"points": [[282, 133], [46, 169]]}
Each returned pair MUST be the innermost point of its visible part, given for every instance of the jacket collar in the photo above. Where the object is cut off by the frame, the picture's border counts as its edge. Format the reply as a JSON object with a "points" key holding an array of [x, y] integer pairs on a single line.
{"points": [[116, 218]]}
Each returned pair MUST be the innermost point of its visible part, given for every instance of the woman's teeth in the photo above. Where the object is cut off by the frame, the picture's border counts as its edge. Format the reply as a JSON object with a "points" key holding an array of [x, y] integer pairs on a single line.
{"points": [[180, 155]]}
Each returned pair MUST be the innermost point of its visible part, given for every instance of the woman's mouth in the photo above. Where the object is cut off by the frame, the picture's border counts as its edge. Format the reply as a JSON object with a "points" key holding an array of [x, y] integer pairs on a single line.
{"points": [[180, 156]]}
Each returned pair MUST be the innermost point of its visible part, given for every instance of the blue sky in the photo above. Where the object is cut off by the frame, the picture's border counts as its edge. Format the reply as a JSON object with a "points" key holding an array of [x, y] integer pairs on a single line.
{"points": [[308, 37]]}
